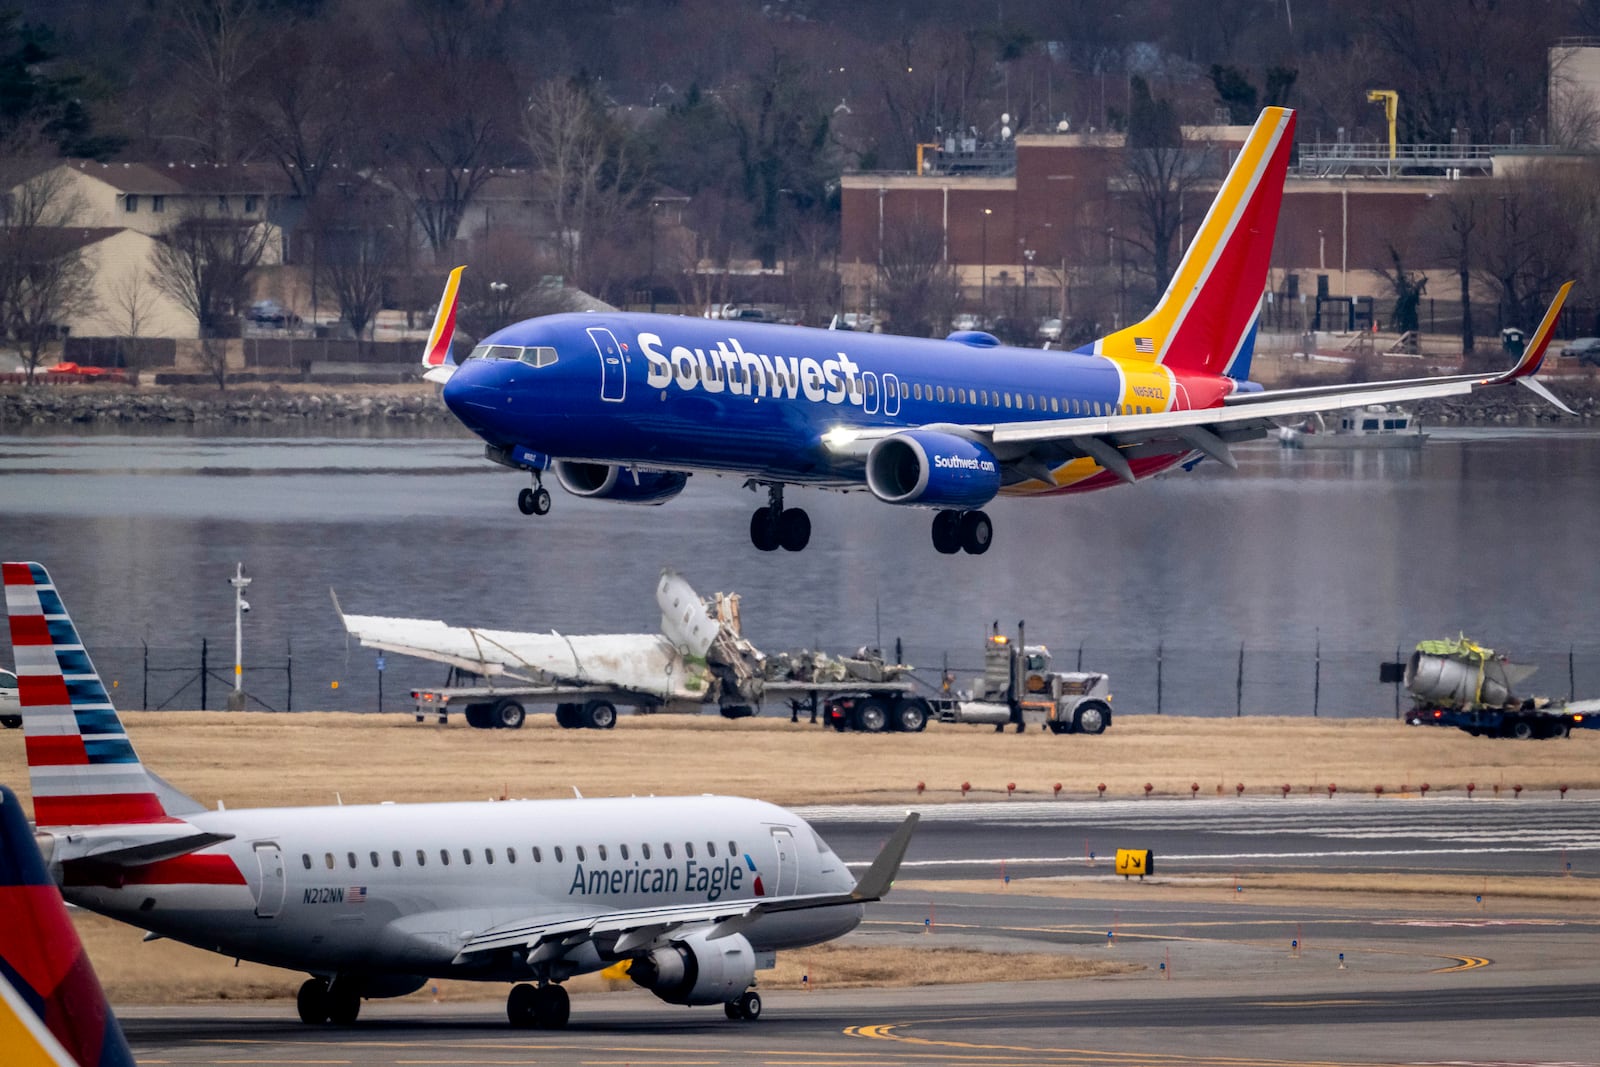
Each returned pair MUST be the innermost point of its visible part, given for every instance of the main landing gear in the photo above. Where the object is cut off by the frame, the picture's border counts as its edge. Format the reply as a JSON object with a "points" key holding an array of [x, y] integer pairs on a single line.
{"points": [[746, 1006], [319, 1002], [962, 531], [776, 526], [541, 1007], [535, 499]]}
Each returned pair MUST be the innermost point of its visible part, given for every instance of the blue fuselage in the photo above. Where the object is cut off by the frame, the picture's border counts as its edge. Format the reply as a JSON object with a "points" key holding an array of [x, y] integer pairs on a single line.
{"points": [[693, 394]]}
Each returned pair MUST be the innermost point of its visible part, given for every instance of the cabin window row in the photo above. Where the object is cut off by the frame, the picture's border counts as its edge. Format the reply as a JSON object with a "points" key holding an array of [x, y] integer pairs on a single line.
{"points": [[940, 394], [509, 855]]}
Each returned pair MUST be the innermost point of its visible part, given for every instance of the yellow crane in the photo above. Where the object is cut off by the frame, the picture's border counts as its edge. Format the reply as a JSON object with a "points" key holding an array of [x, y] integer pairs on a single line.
{"points": [[1391, 106]]}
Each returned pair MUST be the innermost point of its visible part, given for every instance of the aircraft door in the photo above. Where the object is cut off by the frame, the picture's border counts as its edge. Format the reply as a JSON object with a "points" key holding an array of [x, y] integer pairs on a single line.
{"points": [[891, 395], [272, 884], [613, 365], [869, 386], [788, 862]]}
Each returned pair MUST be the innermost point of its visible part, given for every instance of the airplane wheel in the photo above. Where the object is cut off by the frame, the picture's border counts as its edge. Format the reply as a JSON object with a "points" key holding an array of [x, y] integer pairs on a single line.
{"points": [[541, 501], [521, 1003], [312, 1001], [552, 1008], [947, 532], [976, 532], [509, 715], [794, 529], [599, 715], [343, 1007], [764, 527], [525, 501], [11, 722], [746, 1006]]}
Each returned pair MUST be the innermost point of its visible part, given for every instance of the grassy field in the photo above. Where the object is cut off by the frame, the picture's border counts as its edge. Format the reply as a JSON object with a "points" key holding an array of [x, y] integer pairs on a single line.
{"points": [[256, 759]]}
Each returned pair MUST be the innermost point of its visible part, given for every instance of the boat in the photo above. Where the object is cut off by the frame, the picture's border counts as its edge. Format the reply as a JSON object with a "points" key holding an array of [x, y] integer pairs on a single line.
{"points": [[1374, 426]]}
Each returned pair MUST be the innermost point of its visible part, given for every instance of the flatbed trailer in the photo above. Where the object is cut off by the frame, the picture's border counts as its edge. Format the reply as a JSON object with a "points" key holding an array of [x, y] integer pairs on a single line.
{"points": [[1524, 723]]}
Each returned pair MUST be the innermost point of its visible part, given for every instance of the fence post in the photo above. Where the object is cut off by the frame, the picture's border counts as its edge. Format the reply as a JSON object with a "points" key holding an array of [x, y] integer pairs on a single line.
{"points": [[1397, 685], [1080, 656], [288, 674], [144, 702], [1238, 691], [1316, 678], [1160, 648], [202, 674]]}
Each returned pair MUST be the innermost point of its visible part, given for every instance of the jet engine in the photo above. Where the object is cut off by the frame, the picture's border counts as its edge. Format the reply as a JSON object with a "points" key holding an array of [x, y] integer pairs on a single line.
{"points": [[697, 970], [625, 485], [930, 469]]}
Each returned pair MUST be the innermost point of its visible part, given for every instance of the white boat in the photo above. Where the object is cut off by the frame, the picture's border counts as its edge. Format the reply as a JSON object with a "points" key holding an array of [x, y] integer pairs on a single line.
{"points": [[1374, 426]]}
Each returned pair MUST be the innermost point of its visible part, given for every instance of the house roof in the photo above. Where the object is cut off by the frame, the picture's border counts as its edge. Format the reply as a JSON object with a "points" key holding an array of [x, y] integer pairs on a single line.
{"points": [[172, 179], [51, 242]]}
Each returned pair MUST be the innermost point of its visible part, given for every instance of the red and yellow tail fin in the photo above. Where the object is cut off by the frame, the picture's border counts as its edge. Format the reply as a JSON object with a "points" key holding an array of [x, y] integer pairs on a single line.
{"points": [[1205, 321], [437, 354]]}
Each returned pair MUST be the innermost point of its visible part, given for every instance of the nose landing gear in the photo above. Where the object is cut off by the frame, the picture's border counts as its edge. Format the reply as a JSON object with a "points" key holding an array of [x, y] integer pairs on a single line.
{"points": [[535, 499], [776, 526]]}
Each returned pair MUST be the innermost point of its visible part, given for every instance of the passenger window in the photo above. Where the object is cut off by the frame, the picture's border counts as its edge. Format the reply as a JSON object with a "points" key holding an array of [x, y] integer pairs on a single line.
{"points": [[538, 857], [941, 394], [466, 856], [422, 858], [580, 854], [511, 854], [624, 851], [444, 856], [688, 849], [488, 856], [396, 857], [711, 849], [1030, 401], [351, 857], [733, 849], [602, 853], [328, 859], [904, 392], [666, 847], [1008, 399], [1053, 406], [374, 858], [645, 848], [558, 854], [916, 390], [305, 858]]}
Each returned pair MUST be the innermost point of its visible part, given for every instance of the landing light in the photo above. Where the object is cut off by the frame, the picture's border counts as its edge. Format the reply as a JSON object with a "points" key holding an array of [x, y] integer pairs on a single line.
{"points": [[840, 435]]}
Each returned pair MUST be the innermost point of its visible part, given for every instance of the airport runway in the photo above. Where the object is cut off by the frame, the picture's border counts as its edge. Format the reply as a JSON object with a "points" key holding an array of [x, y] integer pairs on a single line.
{"points": [[1218, 982]]}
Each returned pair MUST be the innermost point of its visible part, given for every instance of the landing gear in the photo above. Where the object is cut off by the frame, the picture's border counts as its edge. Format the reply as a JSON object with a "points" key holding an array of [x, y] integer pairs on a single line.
{"points": [[776, 526], [962, 531], [319, 1003], [746, 1006], [534, 500], [544, 1007]]}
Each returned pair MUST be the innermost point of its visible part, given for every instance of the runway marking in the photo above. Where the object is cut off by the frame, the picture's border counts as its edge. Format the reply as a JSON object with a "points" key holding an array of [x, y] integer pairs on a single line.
{"points": [[1468, 963]]}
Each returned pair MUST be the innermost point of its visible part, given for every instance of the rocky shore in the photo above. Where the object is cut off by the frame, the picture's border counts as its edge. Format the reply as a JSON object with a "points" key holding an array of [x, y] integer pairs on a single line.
{"points": [[20, 406]]}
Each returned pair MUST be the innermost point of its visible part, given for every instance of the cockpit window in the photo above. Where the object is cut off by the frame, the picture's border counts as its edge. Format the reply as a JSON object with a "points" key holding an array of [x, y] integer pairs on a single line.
{"points": [[496, 352], [540, 356]]}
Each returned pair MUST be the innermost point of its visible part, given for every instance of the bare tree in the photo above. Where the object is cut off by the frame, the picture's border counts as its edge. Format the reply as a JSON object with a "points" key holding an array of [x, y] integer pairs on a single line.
{"points": [[216, 45], [204, 264], [133, 304], [1452, 229], [1408, 287], [917, 288], [1528, 251], [1164, 174], [43, 277], [359, 236]]}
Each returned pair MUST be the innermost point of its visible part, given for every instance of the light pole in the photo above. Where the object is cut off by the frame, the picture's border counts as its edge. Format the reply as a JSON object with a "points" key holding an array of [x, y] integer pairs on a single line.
{"points": [[240, 606], [983, 302], [1027, 276]]}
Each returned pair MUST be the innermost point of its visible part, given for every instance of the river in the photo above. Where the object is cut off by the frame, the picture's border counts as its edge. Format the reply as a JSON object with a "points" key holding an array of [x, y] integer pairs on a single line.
{"points": [[1316, 564]]}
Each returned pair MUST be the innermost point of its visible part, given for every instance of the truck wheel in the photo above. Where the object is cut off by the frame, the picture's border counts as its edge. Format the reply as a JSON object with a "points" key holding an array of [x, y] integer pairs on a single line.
{"points": [[738, 711], [910, 716], [567, 716], [508, 715], [1092, 717], [1061, 727], [872, 717], [1521, 729], [599, 715], [480, 716]]}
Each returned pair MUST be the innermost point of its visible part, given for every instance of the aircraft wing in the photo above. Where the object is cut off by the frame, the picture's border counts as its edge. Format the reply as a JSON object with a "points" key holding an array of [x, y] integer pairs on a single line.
{"points": [[1033, 448], [635, 930]]}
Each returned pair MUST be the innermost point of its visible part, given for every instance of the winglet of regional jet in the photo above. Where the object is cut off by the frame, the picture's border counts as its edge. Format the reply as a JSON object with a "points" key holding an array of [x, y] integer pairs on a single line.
{"points": [[875, 883], [436, 357], [1533, 356]]}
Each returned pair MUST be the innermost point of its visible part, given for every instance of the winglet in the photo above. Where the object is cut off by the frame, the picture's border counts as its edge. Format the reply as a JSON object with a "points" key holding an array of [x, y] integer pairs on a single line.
{"points": [[1533, 356], [874, 885], [436, 357]]}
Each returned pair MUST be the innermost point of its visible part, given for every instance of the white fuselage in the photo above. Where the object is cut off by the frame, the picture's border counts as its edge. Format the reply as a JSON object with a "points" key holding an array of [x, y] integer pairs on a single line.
{"points": [[401, 888]]}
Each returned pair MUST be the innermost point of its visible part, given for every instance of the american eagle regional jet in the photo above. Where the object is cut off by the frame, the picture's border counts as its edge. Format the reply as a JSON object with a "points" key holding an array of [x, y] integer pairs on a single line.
{"points": [[374, 899], [625, 407]]}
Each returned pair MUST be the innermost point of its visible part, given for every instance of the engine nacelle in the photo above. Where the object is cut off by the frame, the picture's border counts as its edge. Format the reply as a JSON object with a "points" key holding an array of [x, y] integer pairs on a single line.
{"points": [[929, 469], [625, 485], [697, 970]]}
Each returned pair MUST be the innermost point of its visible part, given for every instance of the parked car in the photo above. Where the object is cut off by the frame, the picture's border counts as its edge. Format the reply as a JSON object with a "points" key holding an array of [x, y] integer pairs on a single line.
{"points": [[271, 313], [1050, 330], [10, 708], [964, 321], [748, 315], [1584, 350]]}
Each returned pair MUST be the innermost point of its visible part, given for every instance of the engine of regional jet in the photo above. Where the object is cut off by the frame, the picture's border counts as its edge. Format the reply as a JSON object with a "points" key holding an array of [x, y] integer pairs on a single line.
{"points": [[697, 970]]}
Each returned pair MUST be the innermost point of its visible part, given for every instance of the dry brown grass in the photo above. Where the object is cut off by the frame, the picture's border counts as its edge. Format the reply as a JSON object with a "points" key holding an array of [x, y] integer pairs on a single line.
{"points": [[256, 759], [836, 966]]}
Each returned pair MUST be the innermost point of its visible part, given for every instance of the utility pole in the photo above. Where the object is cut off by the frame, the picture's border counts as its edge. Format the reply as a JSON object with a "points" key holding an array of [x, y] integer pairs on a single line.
{"points": [[240, 606]]}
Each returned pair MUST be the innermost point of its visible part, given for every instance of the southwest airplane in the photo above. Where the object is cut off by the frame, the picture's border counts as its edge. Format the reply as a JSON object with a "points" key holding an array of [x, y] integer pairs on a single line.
{"points": [[696, 892], [625, 406]]}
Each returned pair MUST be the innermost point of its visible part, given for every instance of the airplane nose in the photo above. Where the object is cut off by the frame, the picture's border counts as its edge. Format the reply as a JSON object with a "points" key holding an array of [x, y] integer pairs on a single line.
{"points": [[472, 395]]}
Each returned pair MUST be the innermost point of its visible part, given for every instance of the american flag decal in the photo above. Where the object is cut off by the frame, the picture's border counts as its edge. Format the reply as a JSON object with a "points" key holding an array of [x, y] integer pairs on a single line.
{"points": [[1144, 344], [356, 894]]}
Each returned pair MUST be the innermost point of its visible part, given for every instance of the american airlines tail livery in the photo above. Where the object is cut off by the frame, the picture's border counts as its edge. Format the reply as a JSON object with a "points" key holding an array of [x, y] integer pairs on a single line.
{"points": [[372, 900], [624, 407]]}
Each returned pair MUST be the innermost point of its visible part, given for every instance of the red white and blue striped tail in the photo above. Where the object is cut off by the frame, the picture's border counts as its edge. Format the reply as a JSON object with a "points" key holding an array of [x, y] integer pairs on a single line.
{"points": [[52, 1010], [83, 768]]}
